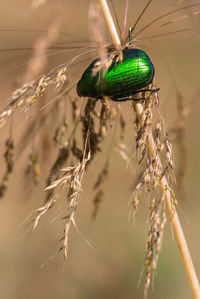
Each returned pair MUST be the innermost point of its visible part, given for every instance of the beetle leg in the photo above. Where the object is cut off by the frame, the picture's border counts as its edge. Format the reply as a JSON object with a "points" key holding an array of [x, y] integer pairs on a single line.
{"points": [[130, 98], [127, 99], [145, 90]]}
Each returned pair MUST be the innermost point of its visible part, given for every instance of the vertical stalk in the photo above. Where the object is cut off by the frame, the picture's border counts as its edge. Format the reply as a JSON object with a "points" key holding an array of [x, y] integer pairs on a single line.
{"points": [[110, 23], [125, 19], [178, 232]]}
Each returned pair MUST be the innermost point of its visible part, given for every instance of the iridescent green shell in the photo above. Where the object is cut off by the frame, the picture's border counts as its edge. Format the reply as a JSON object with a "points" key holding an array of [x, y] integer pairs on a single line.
{"points": [[122, 79]]}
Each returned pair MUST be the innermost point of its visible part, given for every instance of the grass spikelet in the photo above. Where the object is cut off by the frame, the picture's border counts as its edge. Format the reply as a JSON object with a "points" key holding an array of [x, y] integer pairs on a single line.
{"points": [[57, 165], [88, 121], [72, 178], [24, 97], [105, 116], [97, 201], [100, 187], [142, 131], [178, 134], [121, 148], [36, 84], [169, 155], [77, 152], [33, 167], [75, 109], [157, 221], [8, 155], [60, 133], [150, 180], [122, 123]]}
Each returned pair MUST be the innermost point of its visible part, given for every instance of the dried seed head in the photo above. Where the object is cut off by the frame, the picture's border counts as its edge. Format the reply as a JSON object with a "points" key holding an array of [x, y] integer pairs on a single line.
{"points": [[152, 175], [113, 113], [34, 167], [121, 148], [100, 186], [97, 202], [8, 155]]}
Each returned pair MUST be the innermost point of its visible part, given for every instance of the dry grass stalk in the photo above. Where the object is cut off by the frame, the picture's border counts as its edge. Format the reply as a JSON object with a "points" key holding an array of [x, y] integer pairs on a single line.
{"points": [[163, 183], [169, 199], [61, 159], [123, 31], [26, 96], [72, 178], [95, 18], [39, 59], [93, 123], [36, 85], [88, 125], [150, 181], [97, 132]]}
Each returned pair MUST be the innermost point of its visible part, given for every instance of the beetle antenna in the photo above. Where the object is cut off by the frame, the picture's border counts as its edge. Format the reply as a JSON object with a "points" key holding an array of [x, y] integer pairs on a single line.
{"points": [[130, 35], [169, 14], [138, 19]]}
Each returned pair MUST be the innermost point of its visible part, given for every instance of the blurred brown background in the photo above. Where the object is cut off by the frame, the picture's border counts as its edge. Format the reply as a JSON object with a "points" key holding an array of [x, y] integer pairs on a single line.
{"points": [[113, 269]]}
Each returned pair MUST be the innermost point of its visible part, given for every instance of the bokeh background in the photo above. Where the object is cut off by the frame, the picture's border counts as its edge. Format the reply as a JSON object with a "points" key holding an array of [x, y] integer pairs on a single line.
{"points": [[113, 269]]}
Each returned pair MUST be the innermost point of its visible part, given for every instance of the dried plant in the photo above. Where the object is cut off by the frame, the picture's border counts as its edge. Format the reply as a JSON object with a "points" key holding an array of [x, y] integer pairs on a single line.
{"points": [[79, 133], [8, 155], [145, 135], [34, 167], [150, 179], [72, 178], [100, 187]]}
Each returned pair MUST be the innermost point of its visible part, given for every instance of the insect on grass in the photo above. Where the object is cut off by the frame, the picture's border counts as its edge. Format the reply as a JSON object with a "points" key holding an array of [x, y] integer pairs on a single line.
{"points": [[79, 137]]}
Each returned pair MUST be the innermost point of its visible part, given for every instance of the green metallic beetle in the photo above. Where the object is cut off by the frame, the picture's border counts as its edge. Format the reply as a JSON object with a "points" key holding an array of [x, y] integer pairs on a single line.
{"points": [[121, 80]]}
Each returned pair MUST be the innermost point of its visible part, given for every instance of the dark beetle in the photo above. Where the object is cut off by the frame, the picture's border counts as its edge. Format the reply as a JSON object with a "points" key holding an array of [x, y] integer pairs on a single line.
{"points": [[121, 79]]}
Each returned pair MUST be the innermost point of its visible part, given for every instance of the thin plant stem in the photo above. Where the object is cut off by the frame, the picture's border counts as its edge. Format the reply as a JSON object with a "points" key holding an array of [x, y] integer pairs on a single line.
{"points": [[178, 232], [110, 22], [125, 19]]}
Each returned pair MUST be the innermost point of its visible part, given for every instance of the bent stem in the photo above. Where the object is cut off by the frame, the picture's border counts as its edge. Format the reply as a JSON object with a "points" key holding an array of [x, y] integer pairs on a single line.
{"points": [[178, 232]]}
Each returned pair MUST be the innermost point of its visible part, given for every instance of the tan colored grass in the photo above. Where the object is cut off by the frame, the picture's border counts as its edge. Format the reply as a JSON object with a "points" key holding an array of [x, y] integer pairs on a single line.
{"points": [[144, 116], [78, 145]]}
